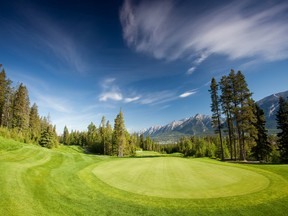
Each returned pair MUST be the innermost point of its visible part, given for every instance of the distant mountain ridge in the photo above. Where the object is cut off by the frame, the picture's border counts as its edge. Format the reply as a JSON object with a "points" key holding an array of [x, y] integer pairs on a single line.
{"points": [[196, 125], [200, 124], [270, 106]]}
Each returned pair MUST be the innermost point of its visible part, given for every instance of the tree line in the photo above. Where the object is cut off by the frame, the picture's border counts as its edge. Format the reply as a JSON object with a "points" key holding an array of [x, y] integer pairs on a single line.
{"points": [[105, 140], [238, 119], [20, 121]]}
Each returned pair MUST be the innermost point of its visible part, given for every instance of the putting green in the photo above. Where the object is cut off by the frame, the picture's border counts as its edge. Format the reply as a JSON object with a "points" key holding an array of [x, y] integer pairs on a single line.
{"points": [[179, 178]]}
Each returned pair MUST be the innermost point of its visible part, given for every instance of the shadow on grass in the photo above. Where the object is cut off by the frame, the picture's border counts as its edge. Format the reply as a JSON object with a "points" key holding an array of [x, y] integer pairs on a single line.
{"points": [[253, 162]]}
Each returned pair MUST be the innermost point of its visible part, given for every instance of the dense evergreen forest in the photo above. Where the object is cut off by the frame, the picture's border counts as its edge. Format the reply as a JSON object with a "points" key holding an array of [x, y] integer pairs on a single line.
{"points": [[242, 136], [20, 121]]}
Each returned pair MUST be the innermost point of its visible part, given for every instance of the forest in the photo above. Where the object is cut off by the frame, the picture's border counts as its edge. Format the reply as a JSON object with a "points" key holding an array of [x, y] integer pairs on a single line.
{"points": [[241, 136]]}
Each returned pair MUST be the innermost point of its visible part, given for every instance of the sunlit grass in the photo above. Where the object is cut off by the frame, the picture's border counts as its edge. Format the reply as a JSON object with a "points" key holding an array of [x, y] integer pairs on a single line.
{"points": [[38, 181]]}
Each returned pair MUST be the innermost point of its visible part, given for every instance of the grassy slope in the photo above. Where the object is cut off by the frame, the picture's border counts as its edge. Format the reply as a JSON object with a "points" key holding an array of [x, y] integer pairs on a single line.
{"points": [[38, 181]]}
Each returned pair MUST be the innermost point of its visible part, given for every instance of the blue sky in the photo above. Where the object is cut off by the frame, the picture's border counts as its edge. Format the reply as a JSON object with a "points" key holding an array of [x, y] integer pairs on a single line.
{"points": [[154, 59]]}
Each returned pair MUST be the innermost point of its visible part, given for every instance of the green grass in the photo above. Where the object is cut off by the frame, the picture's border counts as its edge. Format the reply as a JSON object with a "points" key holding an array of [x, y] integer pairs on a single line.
{"points": [[179, 178], [147, 153], [39, 181]]}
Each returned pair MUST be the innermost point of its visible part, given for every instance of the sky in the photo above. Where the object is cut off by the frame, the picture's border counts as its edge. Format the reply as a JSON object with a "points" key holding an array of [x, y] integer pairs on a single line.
{"points": [[153, 59]]}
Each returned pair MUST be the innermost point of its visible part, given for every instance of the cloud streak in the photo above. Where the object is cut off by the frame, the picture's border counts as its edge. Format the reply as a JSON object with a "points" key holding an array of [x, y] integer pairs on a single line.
{"points": [[187, 94], [158, 97], [129, 100], [113, 93], [165, 30], [45, 34]]}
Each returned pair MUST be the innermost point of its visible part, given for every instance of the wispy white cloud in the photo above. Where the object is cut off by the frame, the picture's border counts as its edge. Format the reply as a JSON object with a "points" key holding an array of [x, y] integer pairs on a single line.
{"points": [[54, 103], [129, 100], [108, 82], [187, 94], [158, 97], [112, 92], [191, 70], [112, 95], [48, 36], [237, 30]]}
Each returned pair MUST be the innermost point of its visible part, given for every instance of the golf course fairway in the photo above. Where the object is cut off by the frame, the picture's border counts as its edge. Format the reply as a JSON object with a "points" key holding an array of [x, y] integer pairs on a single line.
{"points": [[64, 181]]}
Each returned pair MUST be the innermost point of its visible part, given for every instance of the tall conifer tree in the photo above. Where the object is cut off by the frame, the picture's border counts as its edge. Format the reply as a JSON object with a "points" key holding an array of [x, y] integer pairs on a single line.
{"points": [[216, 112], [34, 123], [4, 93], [103, 134], [66, 136], [21, 108], [226, 103], [109, 131], [263, 147], [119, 136], [282, 125]]}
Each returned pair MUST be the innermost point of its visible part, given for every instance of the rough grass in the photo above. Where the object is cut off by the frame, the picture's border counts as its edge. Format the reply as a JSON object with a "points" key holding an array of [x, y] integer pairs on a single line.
{"points": [[38, 181]]}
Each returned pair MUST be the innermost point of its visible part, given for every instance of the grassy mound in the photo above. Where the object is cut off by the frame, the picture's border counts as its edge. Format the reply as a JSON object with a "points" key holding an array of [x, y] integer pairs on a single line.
{"points": [[39, 181]]}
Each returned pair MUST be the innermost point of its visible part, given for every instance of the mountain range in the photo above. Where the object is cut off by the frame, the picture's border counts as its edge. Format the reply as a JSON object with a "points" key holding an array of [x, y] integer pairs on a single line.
{"points": [[200, 124]]}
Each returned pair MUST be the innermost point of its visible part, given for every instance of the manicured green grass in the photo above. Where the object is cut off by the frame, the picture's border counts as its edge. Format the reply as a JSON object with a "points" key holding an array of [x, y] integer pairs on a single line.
{"points": [[147, 153], [179, 178], [39, 181]]}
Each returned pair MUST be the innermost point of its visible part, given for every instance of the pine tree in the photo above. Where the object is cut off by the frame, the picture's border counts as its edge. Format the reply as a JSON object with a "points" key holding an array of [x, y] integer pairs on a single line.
{"points": [[216, 113], [109, 134], [47, 138], [66, 136], [141, 142], [21, 108], [34, 123], [282, 125], [4, 93], [7, 116], [119, 136], [92, 137], [263, 147], [103, 135], [226, 104], [243, 111]]}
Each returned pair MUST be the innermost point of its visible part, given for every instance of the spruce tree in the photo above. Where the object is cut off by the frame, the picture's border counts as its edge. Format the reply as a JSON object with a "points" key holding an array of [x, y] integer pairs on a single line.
{"points": [[119, 135], [4, 94], [282, 125], [109, 134], [262, 149], [21, 108], [103, 134], [47, 138], [216, 113], [34, 123], [92, 137], [65, 136], [7, 116]]}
